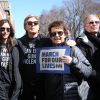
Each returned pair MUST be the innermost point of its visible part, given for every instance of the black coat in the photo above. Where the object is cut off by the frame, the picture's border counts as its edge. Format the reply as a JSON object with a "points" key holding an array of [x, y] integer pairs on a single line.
{"points": [[31, 80], [95, 78], [90, 44], [10, 79]]}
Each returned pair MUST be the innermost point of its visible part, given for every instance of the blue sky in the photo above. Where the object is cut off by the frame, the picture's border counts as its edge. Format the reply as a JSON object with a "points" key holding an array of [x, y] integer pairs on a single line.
{"points": [[21, 8]]}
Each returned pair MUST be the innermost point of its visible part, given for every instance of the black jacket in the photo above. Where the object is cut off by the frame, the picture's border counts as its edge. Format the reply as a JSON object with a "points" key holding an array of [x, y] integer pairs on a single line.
{"points": [[10, 79], [90, 44], [95, 78], [31, 80]]}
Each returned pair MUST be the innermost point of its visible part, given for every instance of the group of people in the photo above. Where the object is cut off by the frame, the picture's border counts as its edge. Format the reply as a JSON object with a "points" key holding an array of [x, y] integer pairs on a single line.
{"points": [[19, 79]]}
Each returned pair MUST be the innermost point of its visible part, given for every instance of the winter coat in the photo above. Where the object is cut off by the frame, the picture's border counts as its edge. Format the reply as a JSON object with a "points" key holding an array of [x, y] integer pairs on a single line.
{"points": [[90, 44], [10, 79], [31, 80], [95, 78], [65, 86]]}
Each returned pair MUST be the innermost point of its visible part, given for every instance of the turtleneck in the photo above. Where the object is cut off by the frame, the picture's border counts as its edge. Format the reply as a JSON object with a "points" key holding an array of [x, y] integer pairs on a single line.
{"points": [[93, 38], [90, 33]]}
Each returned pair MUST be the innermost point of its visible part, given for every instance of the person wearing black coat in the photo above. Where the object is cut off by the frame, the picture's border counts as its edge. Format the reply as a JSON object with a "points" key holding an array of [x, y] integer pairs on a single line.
{"points": [[10, 79], [27, 47], [89, 43]]}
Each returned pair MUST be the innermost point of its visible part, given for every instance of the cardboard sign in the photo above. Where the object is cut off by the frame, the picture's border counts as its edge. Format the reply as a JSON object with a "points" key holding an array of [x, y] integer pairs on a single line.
{"points": [[48, 60]]}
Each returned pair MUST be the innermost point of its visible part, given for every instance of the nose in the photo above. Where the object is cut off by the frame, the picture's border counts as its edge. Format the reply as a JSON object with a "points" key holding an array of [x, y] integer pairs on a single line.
{"points": [[33, 24], [57, 34], [94, 23]]}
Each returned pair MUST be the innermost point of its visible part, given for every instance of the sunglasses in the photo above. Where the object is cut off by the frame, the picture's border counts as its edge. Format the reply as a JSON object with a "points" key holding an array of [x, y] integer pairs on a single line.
{"points": [[3, 29], [94, 22], [60, 33], [32, 23]]}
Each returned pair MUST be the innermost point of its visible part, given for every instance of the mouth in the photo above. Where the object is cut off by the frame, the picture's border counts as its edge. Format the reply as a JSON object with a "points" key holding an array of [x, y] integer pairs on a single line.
{"points": [[57, 40]]}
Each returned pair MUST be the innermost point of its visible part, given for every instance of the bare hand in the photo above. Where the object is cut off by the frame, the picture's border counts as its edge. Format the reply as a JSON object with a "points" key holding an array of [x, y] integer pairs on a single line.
{"points": [[66, 59]]}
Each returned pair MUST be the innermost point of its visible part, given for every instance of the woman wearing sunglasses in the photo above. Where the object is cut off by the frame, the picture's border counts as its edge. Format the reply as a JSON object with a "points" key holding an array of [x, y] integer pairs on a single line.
{"points": [[10, 80], [64, 86]]}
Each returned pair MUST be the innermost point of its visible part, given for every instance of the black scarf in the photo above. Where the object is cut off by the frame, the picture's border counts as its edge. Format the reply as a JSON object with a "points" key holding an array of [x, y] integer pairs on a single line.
{"points": [[93, 38]]}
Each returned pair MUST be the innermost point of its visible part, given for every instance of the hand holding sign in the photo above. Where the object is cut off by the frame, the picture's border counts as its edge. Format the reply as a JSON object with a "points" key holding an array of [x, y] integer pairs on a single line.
{"points": [[66, 59]]}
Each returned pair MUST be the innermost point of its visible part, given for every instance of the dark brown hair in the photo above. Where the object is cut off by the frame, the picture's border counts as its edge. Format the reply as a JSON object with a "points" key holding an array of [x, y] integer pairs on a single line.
{"points": [[58, 24], [11, 36]]}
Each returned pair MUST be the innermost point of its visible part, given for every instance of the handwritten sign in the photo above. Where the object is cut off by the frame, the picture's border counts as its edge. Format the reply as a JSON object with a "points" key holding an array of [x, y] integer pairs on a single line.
{"points": [[48, 60]]}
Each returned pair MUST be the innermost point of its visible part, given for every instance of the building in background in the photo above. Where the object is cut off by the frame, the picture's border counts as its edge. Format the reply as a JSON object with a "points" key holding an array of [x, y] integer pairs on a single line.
{"points": [[5, 11], [2, 13]]}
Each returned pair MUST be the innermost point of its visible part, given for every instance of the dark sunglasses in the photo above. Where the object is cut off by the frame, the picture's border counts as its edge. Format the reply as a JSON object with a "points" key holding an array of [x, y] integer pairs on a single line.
{"points": [[3, 29], [32, 23], [96, 22], [60, 33]]}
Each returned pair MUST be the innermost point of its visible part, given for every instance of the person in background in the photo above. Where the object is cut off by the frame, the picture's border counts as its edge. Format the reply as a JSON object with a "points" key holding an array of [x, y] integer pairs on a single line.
{"points": [[63, 86], [89, 42], [27, 48], [10, 79]]}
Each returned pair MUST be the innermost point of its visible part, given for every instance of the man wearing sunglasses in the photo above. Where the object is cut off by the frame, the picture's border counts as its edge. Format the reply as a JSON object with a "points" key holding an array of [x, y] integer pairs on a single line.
{"points": [[27, 48], [89, 42]]}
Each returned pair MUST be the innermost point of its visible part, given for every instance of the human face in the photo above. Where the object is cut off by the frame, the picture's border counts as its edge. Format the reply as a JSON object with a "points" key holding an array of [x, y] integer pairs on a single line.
{"points": [[57, 35], [5, 31], [32, 26], [92, 24]]}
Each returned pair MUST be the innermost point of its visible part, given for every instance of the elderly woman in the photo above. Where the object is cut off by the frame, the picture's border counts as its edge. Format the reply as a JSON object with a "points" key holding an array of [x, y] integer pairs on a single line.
{"points": [[64, 86]]}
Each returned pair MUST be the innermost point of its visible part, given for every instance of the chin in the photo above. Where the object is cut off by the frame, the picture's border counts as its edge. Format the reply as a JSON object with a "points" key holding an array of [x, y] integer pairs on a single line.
{"points": [[57, 42], [5, 38]]}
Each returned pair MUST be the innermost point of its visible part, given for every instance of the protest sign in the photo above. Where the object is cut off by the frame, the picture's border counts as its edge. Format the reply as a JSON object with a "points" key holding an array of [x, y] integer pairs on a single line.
{"points": [[48, 59]]}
